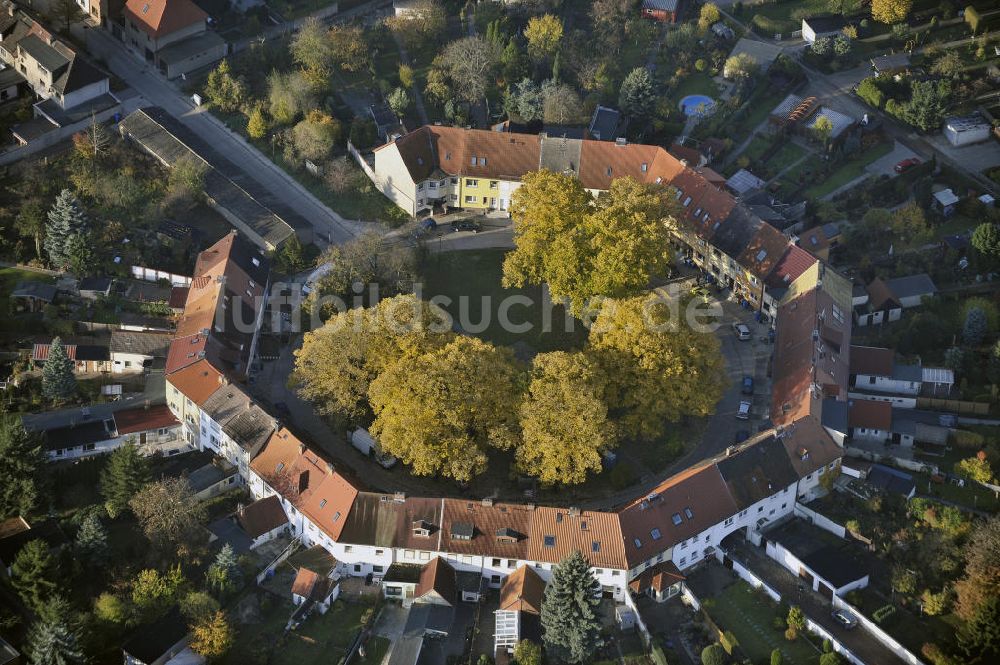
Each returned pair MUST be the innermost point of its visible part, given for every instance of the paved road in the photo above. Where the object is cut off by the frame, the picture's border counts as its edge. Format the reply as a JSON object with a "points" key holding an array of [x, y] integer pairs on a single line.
{"points": [[329, 226]]}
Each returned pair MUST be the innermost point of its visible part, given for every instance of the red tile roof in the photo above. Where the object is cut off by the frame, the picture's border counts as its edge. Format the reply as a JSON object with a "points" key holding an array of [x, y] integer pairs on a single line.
{"points": [[197, 381], [178, 296], [870, 414], [793, 263], [158, 18], [556, 532], [304, 583], [262, 516], [437, 576], [130, 421], [522, 591], [658, 578], [872, 360]]}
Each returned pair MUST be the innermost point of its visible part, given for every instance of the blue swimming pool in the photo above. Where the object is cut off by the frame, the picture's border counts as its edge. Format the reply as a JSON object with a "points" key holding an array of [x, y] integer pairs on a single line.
{"points": [[699, 105]]}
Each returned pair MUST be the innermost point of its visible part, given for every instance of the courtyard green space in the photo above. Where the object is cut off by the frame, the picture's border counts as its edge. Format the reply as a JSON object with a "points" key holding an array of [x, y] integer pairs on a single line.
{"points": [[471, 281], [750, 615]]}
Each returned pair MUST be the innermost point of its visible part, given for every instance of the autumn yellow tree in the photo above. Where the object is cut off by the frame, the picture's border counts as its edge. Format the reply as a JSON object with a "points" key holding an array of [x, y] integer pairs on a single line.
{"points": [[891, 11], [708, 15], [441, 411], [337, 362], [909, 224], [213, 636], [564, 419], [583, 247], [658, 368], [543, 34]]}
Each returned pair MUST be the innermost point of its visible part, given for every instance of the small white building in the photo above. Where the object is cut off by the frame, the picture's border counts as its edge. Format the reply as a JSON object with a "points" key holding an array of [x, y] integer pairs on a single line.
{"points": [[945, 201], [966, 130]]}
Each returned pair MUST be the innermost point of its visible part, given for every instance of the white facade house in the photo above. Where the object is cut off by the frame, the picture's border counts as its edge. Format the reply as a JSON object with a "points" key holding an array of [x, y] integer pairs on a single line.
{"points": [[966, 130]]}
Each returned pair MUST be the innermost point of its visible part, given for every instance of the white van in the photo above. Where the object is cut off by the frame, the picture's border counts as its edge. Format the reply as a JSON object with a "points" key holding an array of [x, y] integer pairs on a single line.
{"points": [[742, 331], [743, 413], [367, 445]]}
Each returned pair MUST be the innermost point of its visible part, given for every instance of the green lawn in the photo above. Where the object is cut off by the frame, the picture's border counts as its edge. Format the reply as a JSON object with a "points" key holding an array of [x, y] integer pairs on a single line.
{"points": [[768, 19], [749, 614], [696, 83], [848, 171], [375, 650], [787, 154], [9, 277], [471, 279], [972, 495]]}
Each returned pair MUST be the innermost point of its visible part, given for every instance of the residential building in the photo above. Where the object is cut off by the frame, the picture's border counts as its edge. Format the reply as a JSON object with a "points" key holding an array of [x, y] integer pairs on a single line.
{"points": [[517, 617], [134, 351], [263, 520], [87, 358], [31, 296], [886, 299], [876, 370], [53, 69], [664, 11], [171, 34], [154, 430], [966, 130], [821, 26]]}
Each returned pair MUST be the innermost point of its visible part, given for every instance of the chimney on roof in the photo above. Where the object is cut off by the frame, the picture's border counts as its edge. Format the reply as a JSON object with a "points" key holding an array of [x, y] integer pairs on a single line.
{"points": [[487, 502], [529, 506], [684, 163], [574, 512], [621, 142], [399, 497], [329, 468]]}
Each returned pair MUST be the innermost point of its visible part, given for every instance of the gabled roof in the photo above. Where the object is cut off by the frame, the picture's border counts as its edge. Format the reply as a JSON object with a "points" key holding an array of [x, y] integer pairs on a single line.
{"points": [[140, 419], [556, 532], [197, 381], [522, 591], [757, 472], [158, 18], [658, 578], [912, 285], [870, 414], [680, 507], [140, 343], [438, 577], [871, 360], [880, 296], [262, 516], [792, 264], [499, 530], [305, 583]]}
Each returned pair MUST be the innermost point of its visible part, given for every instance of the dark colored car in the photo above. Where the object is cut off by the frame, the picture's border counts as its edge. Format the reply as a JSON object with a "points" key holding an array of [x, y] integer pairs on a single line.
{"points": [[845, 619], [466, 225], [748, 385], [906, 165]]}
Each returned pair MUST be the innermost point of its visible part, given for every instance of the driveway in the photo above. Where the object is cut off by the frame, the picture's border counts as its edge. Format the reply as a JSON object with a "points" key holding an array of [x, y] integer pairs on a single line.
{"points": [[156, 90], [886, 165]]}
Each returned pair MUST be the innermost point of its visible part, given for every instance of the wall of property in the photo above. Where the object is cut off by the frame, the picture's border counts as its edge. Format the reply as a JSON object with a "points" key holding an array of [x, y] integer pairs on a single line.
{"points": [[755, 581], [821, 521], [84, 94], [873, 629]]}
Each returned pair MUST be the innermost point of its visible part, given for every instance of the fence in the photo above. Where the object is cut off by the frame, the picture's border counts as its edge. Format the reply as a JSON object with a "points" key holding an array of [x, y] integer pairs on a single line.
{"points": [[154, 275], [954, 405], [876, 632], [819, 520], [359, 158], [755, 581], [814, 627]]}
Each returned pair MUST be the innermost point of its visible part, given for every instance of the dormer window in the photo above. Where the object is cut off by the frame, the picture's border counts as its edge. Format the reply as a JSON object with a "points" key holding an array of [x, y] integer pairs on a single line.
{"points": [[322, 503], [462, 531], [506, 535], [422, 528]]}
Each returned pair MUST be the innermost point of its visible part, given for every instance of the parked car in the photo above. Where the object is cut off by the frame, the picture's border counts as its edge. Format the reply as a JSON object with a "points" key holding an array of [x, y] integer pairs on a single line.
{"points": [[845, 619], [743, 412], [368, 446], [742, 331], [906, 164], [466, 225], [748, 385]]}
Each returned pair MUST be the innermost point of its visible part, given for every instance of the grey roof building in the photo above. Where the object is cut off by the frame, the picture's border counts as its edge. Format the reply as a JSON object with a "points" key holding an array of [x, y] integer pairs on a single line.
{"points": [[236, 196]]}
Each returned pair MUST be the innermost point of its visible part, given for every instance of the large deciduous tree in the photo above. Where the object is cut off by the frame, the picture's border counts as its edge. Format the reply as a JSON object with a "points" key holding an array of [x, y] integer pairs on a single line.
{"points": [[337, 363], [424, 24], [571, 624], [470, 63], [22, 464], [891, 11], [315, 135], [543, 34], [982, 570], [584, 248], [58, 381], [66, 219], [658, 367], [123, 475], [212, 637], [564, 419], [441, 411], [169, 513], [986, 240]]}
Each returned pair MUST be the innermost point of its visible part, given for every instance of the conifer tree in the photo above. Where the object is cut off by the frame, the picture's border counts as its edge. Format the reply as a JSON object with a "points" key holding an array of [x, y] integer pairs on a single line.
{"points": [[22, 464], [54, 639], [224, 573], [124, 474], [58, 382], [92, 541], [66, 219], [34, 574], [571, 627]]}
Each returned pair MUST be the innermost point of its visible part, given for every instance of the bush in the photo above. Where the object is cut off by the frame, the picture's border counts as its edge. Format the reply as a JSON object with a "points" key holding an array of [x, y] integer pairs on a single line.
{"points": [[961, 438], [869, 91], [881, 614]]}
